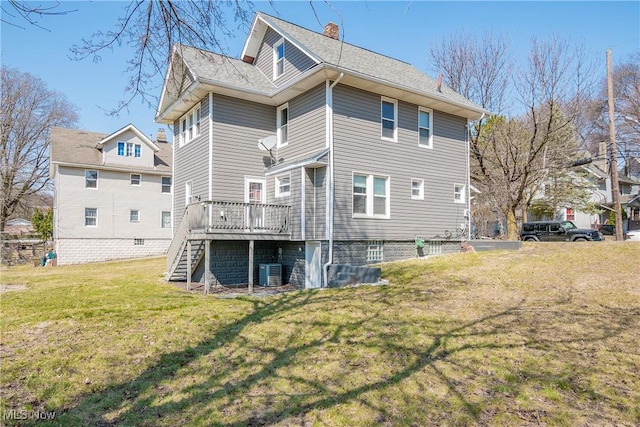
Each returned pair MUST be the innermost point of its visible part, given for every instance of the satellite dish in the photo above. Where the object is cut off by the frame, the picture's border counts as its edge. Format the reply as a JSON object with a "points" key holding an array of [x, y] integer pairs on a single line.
{"points": [[267, 143]]}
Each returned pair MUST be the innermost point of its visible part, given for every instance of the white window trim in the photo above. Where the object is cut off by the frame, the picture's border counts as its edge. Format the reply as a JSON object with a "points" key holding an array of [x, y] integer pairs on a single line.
{"points": [[162, 219], [170, 185], [462, 193], [395, 119], [277, 185], [188, 187], [187, 133], [430, 111], [282, 143], [275, 58], [370, 196], [132, 211], [139, 180], [85, 217], [421, 195], [97, 178]]}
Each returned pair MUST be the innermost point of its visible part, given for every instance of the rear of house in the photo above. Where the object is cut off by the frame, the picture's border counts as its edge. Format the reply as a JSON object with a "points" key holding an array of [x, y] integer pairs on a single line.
{"points": [[308, 153]]}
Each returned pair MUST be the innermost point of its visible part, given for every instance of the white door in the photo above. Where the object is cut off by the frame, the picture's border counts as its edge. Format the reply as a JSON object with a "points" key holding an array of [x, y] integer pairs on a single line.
{"points": [[312, 265], [255, 194]]}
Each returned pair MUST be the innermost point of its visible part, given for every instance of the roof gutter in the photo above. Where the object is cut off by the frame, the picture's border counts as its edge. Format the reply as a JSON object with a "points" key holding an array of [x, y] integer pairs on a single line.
{"points": [[331, 174]]}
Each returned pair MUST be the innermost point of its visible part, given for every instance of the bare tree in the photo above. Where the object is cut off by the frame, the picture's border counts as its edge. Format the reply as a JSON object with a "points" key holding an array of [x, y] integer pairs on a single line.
{"points": [[594, 121], [512, 157], [28, 112], [14, 12], [152, 27]]}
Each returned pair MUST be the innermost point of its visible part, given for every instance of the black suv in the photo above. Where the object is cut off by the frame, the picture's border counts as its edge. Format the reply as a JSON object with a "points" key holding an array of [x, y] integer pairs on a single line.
{"points": [[557, 231]]}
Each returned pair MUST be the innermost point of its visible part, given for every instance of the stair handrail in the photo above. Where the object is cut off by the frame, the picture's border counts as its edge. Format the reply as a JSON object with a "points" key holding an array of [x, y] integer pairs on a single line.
{"points": [[179, 239]]}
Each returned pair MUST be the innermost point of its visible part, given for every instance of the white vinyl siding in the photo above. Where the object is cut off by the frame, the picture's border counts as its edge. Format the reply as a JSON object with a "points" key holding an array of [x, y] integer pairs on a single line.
{"points": [[425, 126], [389, 119]]}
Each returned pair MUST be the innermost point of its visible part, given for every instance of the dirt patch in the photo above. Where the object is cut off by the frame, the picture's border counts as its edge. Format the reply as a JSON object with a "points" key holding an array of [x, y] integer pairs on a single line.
{"points": [[12, 288], [235, 291]]}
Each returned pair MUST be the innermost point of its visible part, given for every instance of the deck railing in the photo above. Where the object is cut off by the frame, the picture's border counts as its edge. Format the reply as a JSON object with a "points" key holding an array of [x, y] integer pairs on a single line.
{"points": [[225, 217]]}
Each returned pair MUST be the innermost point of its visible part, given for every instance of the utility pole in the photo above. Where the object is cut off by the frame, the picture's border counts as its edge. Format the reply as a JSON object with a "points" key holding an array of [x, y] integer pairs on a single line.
{"points": [[615, 185]]}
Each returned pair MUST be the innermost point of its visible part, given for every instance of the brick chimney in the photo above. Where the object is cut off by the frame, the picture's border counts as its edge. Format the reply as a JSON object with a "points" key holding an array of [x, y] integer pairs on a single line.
{"points": [[332, 30], [161, 136]]}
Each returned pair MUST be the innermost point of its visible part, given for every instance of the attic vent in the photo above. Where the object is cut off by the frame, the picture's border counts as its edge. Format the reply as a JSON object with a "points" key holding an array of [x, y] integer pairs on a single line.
{"points": [[332, 30]]}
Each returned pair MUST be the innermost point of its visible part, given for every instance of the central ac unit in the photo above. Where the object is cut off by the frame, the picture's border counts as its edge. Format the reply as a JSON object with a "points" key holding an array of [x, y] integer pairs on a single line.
{"points": [[270, 274]]}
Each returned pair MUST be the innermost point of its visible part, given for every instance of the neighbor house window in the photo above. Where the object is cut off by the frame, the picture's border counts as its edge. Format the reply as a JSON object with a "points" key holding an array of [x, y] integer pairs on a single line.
{"points": [[129, 149], [166, 219], [166, 184], [389, 119], [417, 188], [570, 214], [425, 124], [375, 251], [120, 148], [370, 196], [136, 150], [283, 185], [134, 215], [283, 125], [138, 242], [278, 59], [190, 125], [458, 193], [90, 179], [135, 179], [90, 217]]}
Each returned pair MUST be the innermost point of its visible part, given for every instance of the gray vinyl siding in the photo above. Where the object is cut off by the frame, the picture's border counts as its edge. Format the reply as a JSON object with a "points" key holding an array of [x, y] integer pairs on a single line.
{"points": [[191, 163], [237, 126], [358, 147], [292, 200], [295, 61], [307, 125]]}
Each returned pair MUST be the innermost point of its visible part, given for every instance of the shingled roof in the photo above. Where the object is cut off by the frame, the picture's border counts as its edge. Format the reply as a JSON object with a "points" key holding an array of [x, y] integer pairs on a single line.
{"points": [[362, 61], [80, 147], [200, 72]]}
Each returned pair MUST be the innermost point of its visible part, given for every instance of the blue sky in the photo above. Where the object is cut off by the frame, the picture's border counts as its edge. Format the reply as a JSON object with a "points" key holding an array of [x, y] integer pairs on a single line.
{"points": [[404, 30]]}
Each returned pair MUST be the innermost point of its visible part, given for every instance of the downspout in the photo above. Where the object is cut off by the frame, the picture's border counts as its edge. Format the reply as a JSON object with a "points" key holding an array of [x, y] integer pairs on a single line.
{"points": [[468, 182], [210, 116], [331, 184]]}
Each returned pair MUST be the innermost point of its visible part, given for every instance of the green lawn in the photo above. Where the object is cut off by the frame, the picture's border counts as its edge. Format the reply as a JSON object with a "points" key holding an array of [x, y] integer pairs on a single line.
{"points": [[547, 335]]}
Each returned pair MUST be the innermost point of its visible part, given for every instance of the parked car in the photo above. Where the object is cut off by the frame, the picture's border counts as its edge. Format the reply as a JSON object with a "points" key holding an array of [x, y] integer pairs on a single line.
{"points": [[557, 231], [633, 235], [608, 229]]}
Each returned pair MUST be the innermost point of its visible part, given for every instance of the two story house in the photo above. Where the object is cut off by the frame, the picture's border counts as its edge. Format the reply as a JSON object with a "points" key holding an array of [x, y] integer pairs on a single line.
{"points": [[308, 152], [112, 194]]}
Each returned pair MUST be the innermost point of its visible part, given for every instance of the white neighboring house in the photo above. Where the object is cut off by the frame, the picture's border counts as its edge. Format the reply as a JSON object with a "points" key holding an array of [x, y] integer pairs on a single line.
{"points": [[112, 194]]}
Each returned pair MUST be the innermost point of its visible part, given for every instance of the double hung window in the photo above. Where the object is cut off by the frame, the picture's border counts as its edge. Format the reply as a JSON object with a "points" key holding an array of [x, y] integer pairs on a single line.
{"points": [[389, 119], [370, 196]]}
